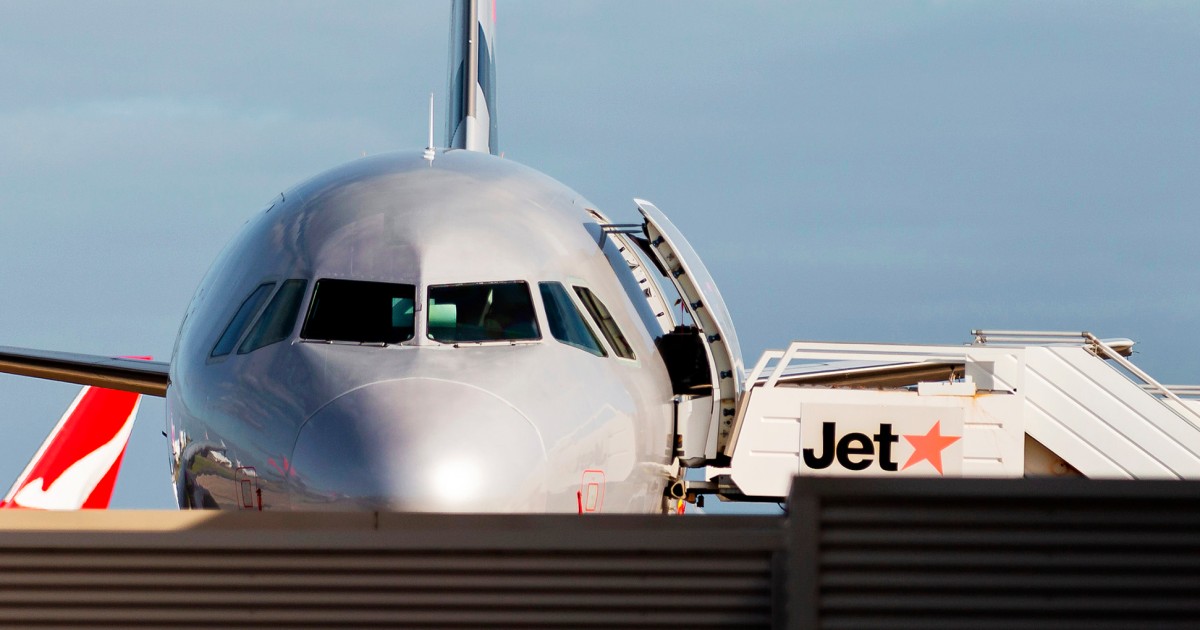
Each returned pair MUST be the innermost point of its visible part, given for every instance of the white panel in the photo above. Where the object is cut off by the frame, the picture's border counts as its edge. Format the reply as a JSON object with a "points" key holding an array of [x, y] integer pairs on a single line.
{"points": [[996, 370], [882, 439], [781, 422], [1095, 405], [759, 474], [777, 436], [1080, 430], [1174, 439], [995, 436], [1068, 445], [695, 415]]}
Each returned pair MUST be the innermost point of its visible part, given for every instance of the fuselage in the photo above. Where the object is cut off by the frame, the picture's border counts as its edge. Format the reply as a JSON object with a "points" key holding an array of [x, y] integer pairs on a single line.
{"points": [[473, 396]]}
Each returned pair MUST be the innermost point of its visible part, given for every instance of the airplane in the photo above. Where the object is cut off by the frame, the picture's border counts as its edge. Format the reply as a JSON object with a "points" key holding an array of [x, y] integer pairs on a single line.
{"points": [[438, 330], [77, 465], [814, 313]]}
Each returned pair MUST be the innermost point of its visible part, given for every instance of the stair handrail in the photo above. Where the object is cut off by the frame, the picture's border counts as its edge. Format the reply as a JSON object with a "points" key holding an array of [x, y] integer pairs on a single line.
{"points": [[1102, 349], [1183, 391], [1192, 416]]}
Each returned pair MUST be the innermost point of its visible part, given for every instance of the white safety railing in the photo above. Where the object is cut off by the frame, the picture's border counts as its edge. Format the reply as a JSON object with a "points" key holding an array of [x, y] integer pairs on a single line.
{"points": [[1121, 346], [776, 362], [1185, 412], [1183, 391], [1113, 349]]}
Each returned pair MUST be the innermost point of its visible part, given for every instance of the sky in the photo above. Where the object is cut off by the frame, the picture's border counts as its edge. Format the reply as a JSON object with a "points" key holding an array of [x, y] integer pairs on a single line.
{"points": [[853, 171]]}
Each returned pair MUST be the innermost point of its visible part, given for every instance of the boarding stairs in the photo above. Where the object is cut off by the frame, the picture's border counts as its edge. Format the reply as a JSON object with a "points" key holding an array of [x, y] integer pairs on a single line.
{"points": [[1010, 404]]}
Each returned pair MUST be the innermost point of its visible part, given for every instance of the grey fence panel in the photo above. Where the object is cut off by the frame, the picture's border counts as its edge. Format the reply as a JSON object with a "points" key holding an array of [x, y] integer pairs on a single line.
{"points": [[1024, 553], [852, 553], [136, 569]]}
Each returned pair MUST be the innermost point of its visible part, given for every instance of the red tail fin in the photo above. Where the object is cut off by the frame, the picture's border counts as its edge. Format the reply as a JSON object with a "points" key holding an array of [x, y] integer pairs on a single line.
{"points": [[77, 465]]}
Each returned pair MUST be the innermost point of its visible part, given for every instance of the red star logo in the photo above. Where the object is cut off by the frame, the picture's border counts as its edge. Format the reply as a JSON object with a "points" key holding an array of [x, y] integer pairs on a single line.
{"points": [[929, 447]]}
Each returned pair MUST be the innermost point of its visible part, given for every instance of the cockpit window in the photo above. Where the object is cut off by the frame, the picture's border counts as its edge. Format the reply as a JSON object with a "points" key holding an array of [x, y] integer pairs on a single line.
{"points": [[566, 322], [364, 312], [608, 325], [241, 319], [278, 319], [494, 311]]}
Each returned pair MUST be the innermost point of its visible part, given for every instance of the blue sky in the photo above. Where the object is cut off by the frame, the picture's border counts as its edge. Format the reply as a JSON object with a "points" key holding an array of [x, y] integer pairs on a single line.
{"points": [[900, 171]]}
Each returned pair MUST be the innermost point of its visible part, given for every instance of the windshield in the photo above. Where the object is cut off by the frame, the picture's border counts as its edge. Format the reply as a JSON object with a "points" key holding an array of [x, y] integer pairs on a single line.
{"points": [[366, 312], [566, 323], [608, 325], [278, 319], [494, 311], [241, 319]]}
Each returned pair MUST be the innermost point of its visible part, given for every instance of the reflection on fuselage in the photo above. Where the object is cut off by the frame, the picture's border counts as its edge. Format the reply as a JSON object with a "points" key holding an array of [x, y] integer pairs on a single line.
{"points": [[455, 394]]}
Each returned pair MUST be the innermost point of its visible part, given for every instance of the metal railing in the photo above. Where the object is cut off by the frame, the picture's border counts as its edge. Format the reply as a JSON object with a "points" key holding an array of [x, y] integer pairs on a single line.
{"points": [[774, 363], [1183, 391], [1191, 416], [1121, 346], [1115, 350]]}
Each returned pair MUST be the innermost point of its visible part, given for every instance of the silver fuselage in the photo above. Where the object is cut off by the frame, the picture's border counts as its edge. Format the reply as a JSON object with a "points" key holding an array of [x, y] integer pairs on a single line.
{"points": [[420, 425]]}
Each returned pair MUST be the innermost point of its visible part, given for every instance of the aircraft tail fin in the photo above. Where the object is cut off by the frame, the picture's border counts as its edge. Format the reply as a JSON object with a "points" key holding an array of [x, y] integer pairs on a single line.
{"points": [[471, 114], [76, 467]]}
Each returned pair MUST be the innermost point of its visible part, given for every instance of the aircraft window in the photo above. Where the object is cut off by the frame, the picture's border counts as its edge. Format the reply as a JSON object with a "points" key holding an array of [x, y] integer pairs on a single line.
{"points": [[241, 319], [566, 322], [365, 312], [278, 319], [493, 311], [608, 325]]}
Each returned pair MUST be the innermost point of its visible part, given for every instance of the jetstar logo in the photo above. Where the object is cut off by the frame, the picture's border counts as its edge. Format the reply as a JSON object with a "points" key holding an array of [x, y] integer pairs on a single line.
{"points": [[855, 450], [929, 447], [844, 439]]}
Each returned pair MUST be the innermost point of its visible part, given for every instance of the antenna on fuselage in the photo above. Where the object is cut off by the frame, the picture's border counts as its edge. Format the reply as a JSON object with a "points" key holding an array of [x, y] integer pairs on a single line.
{"points": [[429, 152]]}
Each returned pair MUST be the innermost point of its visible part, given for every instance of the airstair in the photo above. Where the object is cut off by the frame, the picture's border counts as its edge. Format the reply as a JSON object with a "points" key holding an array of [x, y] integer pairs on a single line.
{"points": [[1010, 404]]}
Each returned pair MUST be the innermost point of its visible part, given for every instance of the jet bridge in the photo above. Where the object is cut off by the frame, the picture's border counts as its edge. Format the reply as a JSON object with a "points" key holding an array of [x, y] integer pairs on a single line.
{"points": [[1010, 404]]}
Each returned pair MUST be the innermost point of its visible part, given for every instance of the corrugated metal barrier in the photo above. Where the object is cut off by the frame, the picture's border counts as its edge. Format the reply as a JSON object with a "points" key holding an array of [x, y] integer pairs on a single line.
{"points": [[1020, 553], [854, 553], [253, 569]]}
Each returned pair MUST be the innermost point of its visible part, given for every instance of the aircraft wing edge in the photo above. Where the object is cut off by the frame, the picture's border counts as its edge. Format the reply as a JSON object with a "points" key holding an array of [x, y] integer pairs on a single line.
{"points": [[131, 375]]}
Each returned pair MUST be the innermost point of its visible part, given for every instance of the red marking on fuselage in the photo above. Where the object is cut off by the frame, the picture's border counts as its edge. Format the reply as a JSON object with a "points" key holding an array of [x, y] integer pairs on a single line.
{"points": [[591, 491]]}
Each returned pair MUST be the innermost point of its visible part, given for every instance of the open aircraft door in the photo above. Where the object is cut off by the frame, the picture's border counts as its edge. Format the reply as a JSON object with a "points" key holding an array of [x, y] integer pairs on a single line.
{"points": [[705, 418]]}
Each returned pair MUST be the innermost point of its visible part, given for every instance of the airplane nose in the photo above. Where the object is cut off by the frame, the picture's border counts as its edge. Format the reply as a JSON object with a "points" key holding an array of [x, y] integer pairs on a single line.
{"points": [[420, 445]]}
